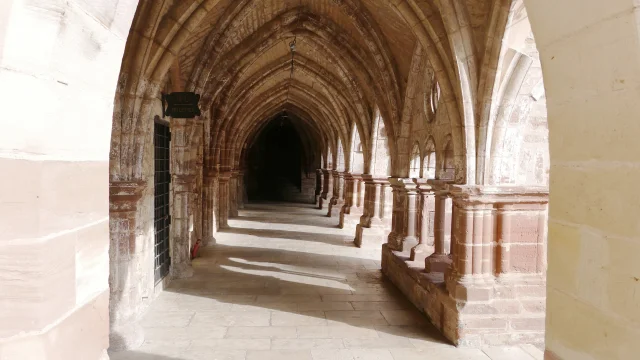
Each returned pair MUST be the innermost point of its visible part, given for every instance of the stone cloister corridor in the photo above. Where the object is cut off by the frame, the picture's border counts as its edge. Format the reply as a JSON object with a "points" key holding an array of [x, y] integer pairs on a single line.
{"points": [[173, 170], [273, 288]]}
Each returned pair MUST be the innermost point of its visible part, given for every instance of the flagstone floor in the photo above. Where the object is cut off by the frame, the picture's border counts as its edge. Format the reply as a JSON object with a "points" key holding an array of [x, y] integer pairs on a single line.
{"points": [[285, 283]]}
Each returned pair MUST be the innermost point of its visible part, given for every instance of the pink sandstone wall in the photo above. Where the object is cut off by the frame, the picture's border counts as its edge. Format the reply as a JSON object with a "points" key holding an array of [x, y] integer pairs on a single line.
{"points": [[59, 65]]}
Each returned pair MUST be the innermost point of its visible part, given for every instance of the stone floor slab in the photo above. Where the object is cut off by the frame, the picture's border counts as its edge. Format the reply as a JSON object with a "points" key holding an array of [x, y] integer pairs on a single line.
{"points": [[288, 284]]}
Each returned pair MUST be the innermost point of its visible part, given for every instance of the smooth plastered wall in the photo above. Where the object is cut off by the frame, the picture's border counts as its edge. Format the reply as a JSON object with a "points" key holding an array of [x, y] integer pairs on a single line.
{"points": [[59, 66], [590, 55]]}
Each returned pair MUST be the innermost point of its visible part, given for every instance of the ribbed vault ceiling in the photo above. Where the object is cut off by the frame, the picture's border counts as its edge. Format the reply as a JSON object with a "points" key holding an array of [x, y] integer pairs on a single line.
{"points": [[351, 57]]}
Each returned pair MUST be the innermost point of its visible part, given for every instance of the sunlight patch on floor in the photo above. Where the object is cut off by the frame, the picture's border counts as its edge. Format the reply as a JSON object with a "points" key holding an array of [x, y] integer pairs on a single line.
{"points": [[310, 279]]}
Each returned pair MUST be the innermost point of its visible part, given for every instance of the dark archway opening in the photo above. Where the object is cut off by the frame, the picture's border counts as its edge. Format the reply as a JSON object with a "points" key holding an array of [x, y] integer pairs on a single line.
{"points": [[274, 166]]}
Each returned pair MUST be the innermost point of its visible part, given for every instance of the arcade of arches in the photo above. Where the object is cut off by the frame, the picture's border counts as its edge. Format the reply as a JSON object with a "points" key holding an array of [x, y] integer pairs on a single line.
{"points": [[417, 129]]}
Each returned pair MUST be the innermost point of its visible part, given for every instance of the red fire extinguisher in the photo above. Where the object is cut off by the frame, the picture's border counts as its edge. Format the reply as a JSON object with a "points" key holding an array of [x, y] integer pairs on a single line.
{"points": [[196, 247]]}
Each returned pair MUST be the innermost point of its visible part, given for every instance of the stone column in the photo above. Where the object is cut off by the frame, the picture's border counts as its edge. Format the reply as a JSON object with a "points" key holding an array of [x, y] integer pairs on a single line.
{"points": [[375, 221], [241, 190], [233, 194], [500, 257], [223, 200], [360, 193], [352, 209], [210, 208], [125, 257], [337, 200], [426, 215], [181, 225], [327, 188], [319, 181], [403, 225], [440, 259]]}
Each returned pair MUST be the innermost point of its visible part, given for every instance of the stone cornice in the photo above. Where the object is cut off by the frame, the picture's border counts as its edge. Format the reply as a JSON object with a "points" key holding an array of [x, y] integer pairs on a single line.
{"points": [[375, 180], [403, 183], [424, 186], [499, 194], [124, 195]]}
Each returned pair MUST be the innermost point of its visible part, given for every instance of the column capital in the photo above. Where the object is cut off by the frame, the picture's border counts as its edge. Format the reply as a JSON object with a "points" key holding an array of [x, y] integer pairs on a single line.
{"points": [[439, 184], [504, 195], [182, 122], [375, 179], [124, 195], [224, 175], [423, 186], [210, 174], [403, 184], [183, 182]]}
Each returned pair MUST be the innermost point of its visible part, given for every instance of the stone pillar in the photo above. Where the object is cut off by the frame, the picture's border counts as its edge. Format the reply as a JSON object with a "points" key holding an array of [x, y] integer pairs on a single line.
{"points": [[327, 188], [241, 190], [209, 208], [319, 181], [499, 261], [493, 293], [126, 299], [223, 200], [403, 225], [181, 225], [439, 261], [425, 223], [233, 194], [184, 166], [360, 193], [337, 200], [352, 209], [375, 221]]}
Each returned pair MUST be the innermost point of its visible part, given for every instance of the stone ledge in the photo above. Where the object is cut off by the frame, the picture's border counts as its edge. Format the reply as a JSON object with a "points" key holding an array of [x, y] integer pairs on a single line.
{"points": [[83, 334], [511, 313]]}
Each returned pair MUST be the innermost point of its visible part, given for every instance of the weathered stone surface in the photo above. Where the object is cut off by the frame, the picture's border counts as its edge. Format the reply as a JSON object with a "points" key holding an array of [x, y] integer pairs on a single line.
{"points": [[368, 93]]}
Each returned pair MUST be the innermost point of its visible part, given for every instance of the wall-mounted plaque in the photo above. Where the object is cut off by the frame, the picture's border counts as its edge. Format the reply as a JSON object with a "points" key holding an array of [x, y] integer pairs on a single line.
{"points": [[180, 105]]}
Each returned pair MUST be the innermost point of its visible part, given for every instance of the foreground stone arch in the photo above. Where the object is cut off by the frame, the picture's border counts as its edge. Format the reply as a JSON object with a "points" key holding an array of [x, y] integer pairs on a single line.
{"points": [[63, 238]]}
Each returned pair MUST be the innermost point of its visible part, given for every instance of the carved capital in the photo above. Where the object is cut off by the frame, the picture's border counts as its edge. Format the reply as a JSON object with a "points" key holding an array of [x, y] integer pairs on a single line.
{"points": [[405, 185], [124, 195], [504, 195]]}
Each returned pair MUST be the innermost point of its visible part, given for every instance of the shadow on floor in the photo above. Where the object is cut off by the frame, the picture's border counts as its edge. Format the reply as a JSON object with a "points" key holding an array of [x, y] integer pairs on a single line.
{"points": [[314, 283], [289, 221], [337, 240], [134, 355]]}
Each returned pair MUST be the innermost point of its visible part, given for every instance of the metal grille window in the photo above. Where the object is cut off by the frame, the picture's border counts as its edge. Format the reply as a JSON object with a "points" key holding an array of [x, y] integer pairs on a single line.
{"points": [[162, 219]]}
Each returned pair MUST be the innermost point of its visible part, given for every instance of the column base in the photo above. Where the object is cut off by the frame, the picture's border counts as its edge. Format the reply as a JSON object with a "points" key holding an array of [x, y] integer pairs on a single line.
{"points": [[352, 219], [394, 240], [372, 237], [181, 271], [321, 203], [125, 337], [336, 204], [437, 263], [209, 240], [408, 243], [420, 252]]}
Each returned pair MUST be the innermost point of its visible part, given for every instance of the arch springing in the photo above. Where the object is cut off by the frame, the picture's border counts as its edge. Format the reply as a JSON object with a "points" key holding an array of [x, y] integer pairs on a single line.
{"points": [[415, 169]]}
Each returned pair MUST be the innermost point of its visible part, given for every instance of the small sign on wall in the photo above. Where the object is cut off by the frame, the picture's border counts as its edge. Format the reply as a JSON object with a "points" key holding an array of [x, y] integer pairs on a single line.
{"points": [[180, 105]]}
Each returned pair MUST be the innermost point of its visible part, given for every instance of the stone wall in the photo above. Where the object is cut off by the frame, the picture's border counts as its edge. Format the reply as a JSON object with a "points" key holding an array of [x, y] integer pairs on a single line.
{"points": [[59, 65], [305, 194], [594, 236]]}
